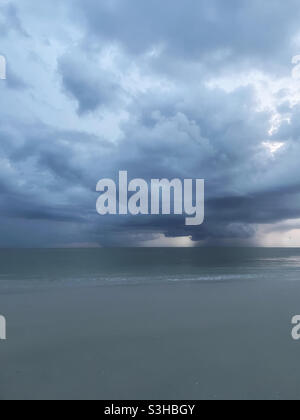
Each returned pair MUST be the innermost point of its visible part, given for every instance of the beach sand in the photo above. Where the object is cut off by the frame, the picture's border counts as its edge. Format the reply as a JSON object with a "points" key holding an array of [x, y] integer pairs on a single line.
{"points": [[173, 341]]}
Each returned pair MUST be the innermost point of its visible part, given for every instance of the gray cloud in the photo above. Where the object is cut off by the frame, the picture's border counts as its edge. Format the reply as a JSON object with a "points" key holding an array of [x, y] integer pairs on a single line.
{"points": [[215, 32], [91, 87], [151, 113], [10, 20]]}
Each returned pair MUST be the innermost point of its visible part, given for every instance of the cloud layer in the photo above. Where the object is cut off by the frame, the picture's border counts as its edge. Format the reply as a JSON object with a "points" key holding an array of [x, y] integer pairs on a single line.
{"points": [[160, 89]]}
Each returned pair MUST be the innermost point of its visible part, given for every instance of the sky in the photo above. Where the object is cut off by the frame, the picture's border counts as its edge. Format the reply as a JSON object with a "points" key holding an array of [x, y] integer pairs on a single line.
{"points": [[205, 89]]}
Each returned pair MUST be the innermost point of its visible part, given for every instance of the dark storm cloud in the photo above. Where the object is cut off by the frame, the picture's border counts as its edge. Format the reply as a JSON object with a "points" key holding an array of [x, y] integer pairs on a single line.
{"points": [[14, 81], [90, 87], [10, 20], [145, 108], [213, 31]]}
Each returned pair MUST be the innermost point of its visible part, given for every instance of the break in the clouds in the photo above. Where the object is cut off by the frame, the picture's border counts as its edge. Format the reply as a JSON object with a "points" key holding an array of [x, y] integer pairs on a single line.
{"points": [[191, 89]]}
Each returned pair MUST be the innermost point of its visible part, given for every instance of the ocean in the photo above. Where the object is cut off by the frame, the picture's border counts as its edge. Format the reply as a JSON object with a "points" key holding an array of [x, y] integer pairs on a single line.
{"points": [[193, 323], [146, 265]]}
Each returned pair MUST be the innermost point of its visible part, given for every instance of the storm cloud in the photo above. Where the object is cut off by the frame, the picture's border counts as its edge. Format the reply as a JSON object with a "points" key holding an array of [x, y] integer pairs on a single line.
{"points": [[174, 89]]}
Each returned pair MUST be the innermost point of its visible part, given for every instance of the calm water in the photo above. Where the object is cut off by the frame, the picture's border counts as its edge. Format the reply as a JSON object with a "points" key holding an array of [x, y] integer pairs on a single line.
{"points": [[122, 266], [184, 324]]}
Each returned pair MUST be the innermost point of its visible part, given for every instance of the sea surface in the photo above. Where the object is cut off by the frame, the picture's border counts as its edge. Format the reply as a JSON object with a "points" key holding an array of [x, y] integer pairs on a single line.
{"points": [[150, 324], [147, 266]]}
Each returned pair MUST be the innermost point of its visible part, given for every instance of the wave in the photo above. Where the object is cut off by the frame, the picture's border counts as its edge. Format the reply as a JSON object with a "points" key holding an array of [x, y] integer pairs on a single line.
{"points": [[127, 280]]}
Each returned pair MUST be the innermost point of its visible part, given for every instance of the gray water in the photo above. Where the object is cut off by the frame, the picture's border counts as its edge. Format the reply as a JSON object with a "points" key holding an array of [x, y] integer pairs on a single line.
{"points": [[142, 266], [150, 324]]}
